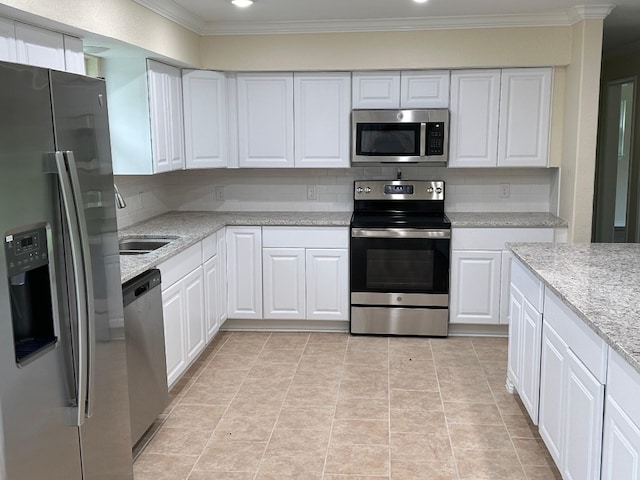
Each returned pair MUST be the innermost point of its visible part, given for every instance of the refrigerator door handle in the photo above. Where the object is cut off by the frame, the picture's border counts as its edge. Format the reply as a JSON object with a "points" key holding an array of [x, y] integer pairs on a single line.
{"points": [[69, 205], [88, 281]]}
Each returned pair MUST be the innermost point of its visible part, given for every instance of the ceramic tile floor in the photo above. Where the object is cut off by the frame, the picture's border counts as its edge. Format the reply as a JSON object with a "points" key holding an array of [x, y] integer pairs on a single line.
{"points": [[328, 406]]}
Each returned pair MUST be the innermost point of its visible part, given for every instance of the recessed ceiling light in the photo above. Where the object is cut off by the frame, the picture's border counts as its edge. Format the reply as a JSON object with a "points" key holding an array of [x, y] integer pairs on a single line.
{"points": [[420, 1], [242, 3]]}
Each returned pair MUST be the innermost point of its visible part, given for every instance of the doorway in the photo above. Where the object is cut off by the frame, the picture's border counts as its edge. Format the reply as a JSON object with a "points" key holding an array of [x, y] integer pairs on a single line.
{"points": [[615, 206]]}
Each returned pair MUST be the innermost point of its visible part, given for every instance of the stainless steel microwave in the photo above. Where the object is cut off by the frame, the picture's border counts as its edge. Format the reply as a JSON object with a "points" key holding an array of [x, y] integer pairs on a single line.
{"points": [[400, 136]]}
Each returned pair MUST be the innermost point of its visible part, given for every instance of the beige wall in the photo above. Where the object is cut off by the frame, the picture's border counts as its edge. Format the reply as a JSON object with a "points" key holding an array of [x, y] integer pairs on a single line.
{"points": [[123, 20], [580, 129]]}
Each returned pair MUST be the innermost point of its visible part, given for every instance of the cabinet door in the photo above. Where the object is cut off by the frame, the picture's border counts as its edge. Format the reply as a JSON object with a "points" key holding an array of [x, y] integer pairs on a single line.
{"points": [[222, 275], [39, 47], [265, 120], [475, 287], [205, 119], [73, 55], [525, 105], [552, 380], [283, 282], [327, 284], [514, 364], [211, 293], [474, 115], [427, 89], [175, 127], [244, 270], [505, 283], [174, 331], [194, 313], [530, 339], [376, 90], [582, 443], [621, 444], [7, 40], [322, 108]]}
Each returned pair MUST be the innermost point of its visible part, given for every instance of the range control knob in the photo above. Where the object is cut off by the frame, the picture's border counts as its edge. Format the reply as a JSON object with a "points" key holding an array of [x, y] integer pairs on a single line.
{"points": [[367, 190], [429, 189], [359, 189], [438, 190]]}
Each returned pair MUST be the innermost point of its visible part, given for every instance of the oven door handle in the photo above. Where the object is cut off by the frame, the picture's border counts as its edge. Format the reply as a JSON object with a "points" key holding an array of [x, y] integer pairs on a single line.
{"points": [[400, 233]]}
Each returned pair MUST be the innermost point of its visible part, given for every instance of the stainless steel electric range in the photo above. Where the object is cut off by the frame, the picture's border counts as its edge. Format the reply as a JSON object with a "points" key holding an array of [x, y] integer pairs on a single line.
{"points": [[400, 251]]}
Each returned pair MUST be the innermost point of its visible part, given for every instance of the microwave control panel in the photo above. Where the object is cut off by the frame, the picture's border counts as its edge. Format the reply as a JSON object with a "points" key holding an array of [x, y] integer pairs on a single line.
{"points": [[435, 138]]}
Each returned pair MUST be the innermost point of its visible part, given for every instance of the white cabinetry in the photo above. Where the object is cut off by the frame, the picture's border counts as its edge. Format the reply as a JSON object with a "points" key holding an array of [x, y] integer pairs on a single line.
{"points": [[165, 108], [572, 377], [205, 119], [621, 439], [7, 40], [500, 117], [213, 284], [221, 249], [244, 270], [392, 90], [322, 104], [265, 120], [193, 285], [283, 282], [173, 308], [73, 55], [327, 283], [39, 47]]}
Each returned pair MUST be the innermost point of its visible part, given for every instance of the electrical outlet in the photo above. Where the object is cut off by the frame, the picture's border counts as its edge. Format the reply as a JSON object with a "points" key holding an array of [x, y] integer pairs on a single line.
{"points": [[219, 193], [311, 192], [505, 190]]}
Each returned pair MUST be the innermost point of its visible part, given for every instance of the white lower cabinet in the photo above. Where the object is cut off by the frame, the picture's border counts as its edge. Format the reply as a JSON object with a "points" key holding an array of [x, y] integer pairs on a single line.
{"points": [[283, 282], [211, 277], [244, 270], [221, 248], [194, 313], [174, 332], [327, 284], [475, 287]]}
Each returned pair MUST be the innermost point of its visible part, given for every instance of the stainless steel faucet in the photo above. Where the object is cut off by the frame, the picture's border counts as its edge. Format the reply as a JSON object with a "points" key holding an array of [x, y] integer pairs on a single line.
{"points": [[120, 203]]}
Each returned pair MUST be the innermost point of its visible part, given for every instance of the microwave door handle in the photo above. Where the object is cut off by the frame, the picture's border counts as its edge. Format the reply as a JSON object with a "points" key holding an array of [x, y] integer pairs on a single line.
{"points": [[69, 207], [88, 279], [423, 139]]}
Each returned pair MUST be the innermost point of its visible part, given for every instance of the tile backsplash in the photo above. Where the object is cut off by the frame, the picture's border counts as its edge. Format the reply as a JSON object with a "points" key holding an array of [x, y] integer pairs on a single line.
{"points": [[467, 190]]}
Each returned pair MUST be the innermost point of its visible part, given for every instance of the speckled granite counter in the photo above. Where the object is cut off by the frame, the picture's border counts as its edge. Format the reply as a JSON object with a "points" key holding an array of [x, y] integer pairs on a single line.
{"points": [[187, 228], [599, 282], [505, 220]]}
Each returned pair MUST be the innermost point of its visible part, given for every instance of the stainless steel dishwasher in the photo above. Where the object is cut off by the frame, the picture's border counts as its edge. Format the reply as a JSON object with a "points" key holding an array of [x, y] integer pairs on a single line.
{"points": [[146, 359]]}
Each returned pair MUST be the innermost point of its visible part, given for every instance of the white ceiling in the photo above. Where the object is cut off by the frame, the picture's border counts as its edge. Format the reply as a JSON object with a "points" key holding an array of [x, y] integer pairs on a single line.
{"points": [[210, 17]]}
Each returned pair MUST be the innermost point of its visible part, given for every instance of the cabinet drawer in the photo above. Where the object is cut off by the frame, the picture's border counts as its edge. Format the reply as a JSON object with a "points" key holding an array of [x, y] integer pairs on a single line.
{"points": [[530, 286], [183, 263], [584, 342], [623, 384], [305, 237], [495, 238], [209, 247]]}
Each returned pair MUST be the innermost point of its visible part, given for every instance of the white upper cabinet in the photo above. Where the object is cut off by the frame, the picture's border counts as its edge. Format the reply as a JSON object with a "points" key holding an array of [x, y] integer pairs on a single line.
{"points": [[205, 119], [474, 115], [7, 40], [39, 47], [376, 90], [265, 120], [322, 104], [165, 109], [525, 105], [424, 89], [73, 55], [410, 89]]}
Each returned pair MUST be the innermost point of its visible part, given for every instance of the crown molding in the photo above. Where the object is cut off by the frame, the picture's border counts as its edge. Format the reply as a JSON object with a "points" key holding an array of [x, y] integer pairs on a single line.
{"points": [[180, 15]]}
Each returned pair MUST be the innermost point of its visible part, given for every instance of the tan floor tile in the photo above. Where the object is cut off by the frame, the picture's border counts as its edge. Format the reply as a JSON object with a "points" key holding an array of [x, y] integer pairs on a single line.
{"points": [[418, 421], [221, 476], [232, 362], [335, 350], [328, 380], [178, 441], [241, 348], [318, 363], [406, 365], [494, 368], [420, 447], [360, 371], [231, 457], [520, 426], [368, 358], [474, 413], [533, 452], [303, 396], [321, 337], [307, 443], [151, 466], [360, 432], [280, 356], [414, 381], [205, 394], [355, 477], [492, 354], [542, 473], [272, 370], [456, 361], [509, 404], [227, 377], [244, 429], [287, 340], [310, 418], [480, 437], [362, 408], [364, 388], [250, 406], [461, 374], [272, 385], [497, 383], [416, 400], [474, 393], [358, 459], [488, 465], [414, 470], [195, 417], [364, 344], [249, 337], [291, 468]]}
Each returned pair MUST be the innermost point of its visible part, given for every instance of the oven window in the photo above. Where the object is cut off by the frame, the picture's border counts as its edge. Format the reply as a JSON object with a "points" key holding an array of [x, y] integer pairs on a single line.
{"points": [[388, 139], [399, 270]]}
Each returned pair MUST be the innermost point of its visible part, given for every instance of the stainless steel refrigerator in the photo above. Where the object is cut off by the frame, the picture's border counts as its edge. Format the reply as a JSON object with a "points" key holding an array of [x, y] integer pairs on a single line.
{"points": [[64, 411]]}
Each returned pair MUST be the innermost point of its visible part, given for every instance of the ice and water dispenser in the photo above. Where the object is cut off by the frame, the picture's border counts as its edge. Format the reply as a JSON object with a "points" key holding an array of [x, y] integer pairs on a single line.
{"points": [[30, 292]]}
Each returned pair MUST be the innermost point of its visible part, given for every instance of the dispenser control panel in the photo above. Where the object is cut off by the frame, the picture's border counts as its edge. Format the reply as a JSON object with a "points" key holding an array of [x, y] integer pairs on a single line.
{"points": [[26, 250]]}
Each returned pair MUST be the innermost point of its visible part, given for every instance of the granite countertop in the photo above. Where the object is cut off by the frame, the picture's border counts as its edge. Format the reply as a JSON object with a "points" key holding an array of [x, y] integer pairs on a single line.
{"points": [[600, 282], [505, 220], [188, 228]]}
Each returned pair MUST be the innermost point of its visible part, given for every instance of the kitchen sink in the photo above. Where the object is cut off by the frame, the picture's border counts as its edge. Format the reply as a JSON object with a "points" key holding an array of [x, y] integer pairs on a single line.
{"points": [[140, 246]]}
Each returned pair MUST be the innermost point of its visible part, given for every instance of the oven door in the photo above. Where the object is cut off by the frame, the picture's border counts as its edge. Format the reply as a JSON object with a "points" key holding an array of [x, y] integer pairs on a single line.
{"points": [[401, 267]]}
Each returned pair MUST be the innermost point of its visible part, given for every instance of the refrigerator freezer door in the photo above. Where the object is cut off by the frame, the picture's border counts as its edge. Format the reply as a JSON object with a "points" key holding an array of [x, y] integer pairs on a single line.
{"points": [[81, 126], [37, 439]]}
